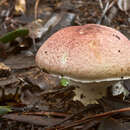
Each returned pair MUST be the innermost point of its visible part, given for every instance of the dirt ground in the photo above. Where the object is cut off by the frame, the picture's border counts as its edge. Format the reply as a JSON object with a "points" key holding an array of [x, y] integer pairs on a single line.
{"points": [[37, 100]]}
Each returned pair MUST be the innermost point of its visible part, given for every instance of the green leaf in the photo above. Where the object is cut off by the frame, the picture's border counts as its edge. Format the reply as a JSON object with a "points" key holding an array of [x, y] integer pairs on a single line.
{"points": [[4, 110], [64, 82], [14, 34]]}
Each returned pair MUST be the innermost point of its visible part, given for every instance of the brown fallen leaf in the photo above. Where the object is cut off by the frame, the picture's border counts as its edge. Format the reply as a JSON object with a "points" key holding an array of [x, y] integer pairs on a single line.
{"points": [[112, 124], [4, 70], [36, 120]]}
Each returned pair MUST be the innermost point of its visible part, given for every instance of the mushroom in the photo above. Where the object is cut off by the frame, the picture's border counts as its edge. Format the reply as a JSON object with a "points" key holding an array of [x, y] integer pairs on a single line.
{"points": [[92, 56]]}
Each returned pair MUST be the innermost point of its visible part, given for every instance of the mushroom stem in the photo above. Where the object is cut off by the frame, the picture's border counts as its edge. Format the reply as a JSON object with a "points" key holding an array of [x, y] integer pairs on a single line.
{"points": [[89, 93]]}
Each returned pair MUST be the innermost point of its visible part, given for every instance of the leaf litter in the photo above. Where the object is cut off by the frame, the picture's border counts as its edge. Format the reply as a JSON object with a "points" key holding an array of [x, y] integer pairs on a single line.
{"points": [[36, 99]]}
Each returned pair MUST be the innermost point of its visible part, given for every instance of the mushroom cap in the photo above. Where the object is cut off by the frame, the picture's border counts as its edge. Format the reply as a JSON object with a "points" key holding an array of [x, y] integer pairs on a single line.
{"points": [[88, 53]]}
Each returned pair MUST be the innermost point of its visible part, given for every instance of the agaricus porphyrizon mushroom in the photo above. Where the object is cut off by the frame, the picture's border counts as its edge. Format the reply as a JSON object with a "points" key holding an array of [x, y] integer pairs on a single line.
{"points": [[94, 55]]}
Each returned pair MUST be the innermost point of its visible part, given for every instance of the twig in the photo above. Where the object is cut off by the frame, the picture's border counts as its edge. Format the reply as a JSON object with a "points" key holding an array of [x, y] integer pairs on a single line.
{"points": [[57, 114], [101, 4], [79, 113], [107, 7], [36, 8], [90, 118], [103, 13]]}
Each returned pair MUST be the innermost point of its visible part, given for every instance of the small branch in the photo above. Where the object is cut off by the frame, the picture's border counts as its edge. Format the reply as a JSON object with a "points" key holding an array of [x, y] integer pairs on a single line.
{"points": [[36, 8], [90, 118]]}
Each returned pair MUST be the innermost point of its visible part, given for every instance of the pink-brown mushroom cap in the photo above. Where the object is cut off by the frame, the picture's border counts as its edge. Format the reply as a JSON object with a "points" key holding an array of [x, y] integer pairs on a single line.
{"points": [[86, 53]]}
